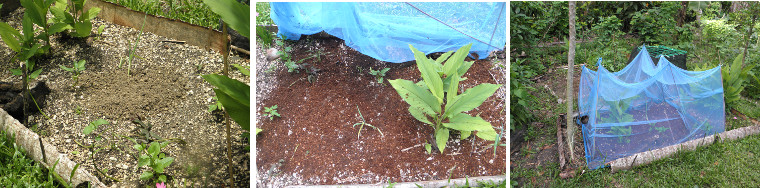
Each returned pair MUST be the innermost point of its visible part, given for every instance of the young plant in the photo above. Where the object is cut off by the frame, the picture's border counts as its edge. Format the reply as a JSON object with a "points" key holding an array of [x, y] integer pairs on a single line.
{"points": [[379, 74], [271, 112], [734, 78], [216, 106], [155, 159], [363, 123], [131, 52], [100, 141], [72, 17], [245, 70], [75, 70], [437, 97]]}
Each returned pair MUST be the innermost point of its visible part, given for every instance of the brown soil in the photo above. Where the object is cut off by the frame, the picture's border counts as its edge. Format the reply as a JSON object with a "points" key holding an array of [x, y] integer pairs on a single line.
{"points": [[314, 143]]}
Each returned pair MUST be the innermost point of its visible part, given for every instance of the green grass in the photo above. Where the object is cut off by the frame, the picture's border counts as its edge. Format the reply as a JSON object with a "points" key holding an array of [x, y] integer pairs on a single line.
{"points": [[191, 11], [17, 170], [263, 9]]}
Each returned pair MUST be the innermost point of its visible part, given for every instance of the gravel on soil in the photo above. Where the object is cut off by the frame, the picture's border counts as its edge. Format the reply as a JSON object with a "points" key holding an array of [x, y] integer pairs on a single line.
{"points": [[164, 88]]}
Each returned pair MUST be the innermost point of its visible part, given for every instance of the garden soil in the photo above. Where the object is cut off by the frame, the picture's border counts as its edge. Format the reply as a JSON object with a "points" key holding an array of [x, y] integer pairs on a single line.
{"points": [[314, 142], [164, 88]]}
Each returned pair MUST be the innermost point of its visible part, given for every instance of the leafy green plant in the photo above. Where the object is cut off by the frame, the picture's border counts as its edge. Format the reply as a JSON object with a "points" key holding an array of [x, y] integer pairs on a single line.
{"points": [[438, 89], [734, 78], [271, 112], [155, 159], [379, 74], [363, 123], [519, 111], [26, 42], [75, 70], [101, 142], [617, 115], [72, 17], [264, 36]]}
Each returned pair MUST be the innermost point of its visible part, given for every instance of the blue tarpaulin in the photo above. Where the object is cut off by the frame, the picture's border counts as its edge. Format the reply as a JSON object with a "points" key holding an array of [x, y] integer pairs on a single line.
{"points": [[384, 30]]}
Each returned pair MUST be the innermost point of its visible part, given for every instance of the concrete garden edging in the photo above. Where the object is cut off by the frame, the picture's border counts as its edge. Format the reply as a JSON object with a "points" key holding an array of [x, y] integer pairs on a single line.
{"points": [[192, 34], [653, 155], [472, 181], [33, 144]]}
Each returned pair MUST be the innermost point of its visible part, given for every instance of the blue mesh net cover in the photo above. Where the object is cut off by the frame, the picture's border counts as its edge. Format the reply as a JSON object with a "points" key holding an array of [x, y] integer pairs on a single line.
{"points": [[384, 30], [646, 106]]}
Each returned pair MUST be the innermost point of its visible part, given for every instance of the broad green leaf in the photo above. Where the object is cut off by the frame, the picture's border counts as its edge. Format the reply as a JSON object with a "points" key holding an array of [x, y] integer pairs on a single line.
{"points": [[35, 13], [429, 74], [456, 60], [453, 87], [236, 89], [441, 137], [419, 115], [464, 134], [235, 14], [143, 160], [464, 122], [146, 175], [9, 35], [416, 96], [59, 10], [89, 129], [58, 27], [35, 74], [470, 99], [443, 57], [465, 67], [258, 130], [26, 54], [99, 122], [83, 28], [428, 148], [89, 14], [238, 110], [138, 147], [163, 163], [487, 135], [16, 72], [153, 149], [27, 28]]}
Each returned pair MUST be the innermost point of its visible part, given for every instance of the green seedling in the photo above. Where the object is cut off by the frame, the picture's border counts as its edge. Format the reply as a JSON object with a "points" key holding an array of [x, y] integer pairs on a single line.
{"points": [[101, 142], [72, 17], [78, 110], [245, 70], [131, 52], [661, 129], [379, 74], [155, 159], [436, 97], [100, 31], [216, 106], [270, 112], [428, 148], [75, 70], [363, 123]]}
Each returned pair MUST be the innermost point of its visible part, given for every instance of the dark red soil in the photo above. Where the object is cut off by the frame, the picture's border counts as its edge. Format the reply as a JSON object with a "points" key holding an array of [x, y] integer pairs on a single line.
{"points": [[315, 138]]}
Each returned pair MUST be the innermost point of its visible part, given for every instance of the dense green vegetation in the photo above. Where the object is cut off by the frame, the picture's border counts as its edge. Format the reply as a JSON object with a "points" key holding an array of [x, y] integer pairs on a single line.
{"points": [[713, 33], [18, 170]]}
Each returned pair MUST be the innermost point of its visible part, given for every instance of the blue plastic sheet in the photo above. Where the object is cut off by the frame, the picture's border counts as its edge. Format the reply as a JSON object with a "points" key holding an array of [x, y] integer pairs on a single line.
{"points": [[384, 30], [646, 106]]}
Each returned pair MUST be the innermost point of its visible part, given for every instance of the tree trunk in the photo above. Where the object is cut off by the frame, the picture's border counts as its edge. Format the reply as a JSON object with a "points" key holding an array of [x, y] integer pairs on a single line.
{"points": [[569, 89]]}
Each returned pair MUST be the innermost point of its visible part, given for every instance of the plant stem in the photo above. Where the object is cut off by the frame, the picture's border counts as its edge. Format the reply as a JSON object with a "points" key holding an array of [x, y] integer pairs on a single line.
{"points": [[225, 70]]}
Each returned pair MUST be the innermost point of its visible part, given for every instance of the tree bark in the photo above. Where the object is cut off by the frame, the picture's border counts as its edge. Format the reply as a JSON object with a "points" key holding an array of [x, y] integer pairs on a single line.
{"points": [[569, 89]]}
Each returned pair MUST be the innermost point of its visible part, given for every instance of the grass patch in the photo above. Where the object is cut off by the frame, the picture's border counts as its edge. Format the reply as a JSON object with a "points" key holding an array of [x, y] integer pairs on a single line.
{"points": [[190, 11], [17, 170], [725, 164]]}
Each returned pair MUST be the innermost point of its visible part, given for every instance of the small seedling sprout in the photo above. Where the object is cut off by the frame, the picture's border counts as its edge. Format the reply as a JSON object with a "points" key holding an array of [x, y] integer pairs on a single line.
{"points": [[364, 123]]}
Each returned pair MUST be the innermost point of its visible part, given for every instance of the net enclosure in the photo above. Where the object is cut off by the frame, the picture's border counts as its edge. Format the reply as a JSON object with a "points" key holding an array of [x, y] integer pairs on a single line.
{"points": [[645, 107], [384, 30]]}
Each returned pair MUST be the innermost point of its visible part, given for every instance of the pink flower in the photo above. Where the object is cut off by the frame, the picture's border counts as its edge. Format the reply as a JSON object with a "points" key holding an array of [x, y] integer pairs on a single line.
{"points": [[256, 14], [160, 185], [734, 117]]}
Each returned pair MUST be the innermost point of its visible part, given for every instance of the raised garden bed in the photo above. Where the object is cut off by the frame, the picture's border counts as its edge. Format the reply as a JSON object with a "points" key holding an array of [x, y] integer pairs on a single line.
{"points": [[314, 143], [164, 89]]}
